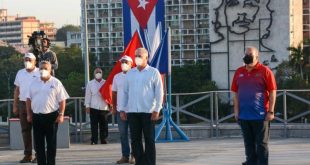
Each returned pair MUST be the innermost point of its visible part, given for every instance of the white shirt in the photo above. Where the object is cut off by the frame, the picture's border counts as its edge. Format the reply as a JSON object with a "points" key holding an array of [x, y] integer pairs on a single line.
{"points": [[118, 87], [46, 96], [143, 91], [23, 79], [93, 98]]}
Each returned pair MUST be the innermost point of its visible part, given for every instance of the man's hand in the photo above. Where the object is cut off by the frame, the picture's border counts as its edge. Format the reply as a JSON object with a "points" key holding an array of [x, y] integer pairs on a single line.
{"points": [[269, 116], [29, 118], [60, 119], [87, 110], [155, 116], [236, 116], [113, 110], [123, 115], [15, 110]]}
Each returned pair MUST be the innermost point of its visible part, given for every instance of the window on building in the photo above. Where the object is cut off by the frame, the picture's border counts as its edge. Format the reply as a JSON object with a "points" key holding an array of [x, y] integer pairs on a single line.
{"points": [[306, 19], [202, 8], [176, 2], [91, 6]]}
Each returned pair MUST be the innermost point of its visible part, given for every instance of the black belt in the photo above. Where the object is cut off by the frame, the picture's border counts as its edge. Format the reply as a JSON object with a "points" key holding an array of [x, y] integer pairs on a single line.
{"points": [[44, 114]]}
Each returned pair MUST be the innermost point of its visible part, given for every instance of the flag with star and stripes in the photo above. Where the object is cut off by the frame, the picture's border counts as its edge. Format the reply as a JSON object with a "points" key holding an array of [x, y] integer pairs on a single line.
{"points": [[143, 15]]}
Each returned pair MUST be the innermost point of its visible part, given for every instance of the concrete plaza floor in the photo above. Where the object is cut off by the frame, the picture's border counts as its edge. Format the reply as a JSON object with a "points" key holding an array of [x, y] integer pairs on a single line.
{"points": [[227, 151]]}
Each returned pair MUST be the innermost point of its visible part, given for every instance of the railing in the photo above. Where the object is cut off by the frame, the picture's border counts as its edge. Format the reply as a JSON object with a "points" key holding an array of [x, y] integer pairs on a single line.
{"points": [[219, 97], [213, 113]]}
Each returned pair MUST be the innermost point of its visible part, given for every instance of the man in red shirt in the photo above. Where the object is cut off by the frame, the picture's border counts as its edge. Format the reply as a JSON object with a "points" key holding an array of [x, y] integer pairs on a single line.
{"points": [[254, 89]]}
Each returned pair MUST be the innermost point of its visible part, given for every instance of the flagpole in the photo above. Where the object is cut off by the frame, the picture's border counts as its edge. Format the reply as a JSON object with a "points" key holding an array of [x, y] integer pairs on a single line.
{"points": [[167, 110], [85, 47], [169, 71]]}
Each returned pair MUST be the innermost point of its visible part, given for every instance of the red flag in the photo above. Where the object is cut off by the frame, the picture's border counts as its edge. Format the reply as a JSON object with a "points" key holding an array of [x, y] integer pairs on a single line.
{"points": [[106, 89]]}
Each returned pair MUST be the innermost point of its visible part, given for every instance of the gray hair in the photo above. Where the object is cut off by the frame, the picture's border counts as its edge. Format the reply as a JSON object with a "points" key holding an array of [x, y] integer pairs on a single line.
{"points": [[143, 50], [47, 63]]}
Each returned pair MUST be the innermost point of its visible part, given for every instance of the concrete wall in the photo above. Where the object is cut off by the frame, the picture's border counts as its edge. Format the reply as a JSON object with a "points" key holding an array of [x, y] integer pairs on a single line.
{"points": [[15, 135], [226, 55]]}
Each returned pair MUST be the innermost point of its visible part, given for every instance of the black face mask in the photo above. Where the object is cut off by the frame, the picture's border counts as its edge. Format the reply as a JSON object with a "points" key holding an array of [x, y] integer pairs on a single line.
{"points": [[247, 59]]}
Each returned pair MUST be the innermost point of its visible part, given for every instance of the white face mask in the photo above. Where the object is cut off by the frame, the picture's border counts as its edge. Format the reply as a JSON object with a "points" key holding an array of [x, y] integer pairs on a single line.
{"points": [[44, 73], [28, 65], [125, 67], [138, 61], [98, 76]]}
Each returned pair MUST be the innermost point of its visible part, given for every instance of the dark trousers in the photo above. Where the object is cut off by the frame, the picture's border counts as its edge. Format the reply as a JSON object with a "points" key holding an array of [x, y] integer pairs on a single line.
{"points": [[98, 117], [45, 129], [26, 128], [256, 137], [140, 123]]}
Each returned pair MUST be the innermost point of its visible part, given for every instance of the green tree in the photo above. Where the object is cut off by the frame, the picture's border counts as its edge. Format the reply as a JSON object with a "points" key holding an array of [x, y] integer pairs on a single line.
{"points": [[61, 34], [192, 78], [7, 51], [288, 78], [8, 68], [69, 60], [297, 58], [70, 69], [74, 84]]}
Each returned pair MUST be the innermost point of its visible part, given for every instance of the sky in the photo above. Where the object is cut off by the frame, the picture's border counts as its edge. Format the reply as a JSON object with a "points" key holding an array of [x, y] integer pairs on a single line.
{"points": [[61, 12]]}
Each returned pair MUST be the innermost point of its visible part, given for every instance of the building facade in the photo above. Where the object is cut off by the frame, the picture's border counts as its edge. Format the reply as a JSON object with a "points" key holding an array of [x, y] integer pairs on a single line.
{"points": [[49, 30], [15, 30], [306, 19], [188, 20], [74, 38]]}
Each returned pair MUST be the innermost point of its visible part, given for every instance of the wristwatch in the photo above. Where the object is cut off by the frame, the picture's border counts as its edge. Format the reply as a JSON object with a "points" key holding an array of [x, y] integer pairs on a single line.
{"points": [[271, 112], [60, 114]]}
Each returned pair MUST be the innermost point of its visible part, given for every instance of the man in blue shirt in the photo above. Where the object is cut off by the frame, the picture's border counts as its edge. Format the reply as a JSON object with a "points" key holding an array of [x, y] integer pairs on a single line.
{"points": [[142, 101]]}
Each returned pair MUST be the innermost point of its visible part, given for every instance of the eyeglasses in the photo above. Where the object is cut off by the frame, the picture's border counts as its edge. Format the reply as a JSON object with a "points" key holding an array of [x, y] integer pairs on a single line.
{"points": [[250, 54]]}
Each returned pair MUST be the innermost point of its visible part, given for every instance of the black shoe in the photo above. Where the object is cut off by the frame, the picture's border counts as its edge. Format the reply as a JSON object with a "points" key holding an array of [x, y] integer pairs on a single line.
{"points": [[26, 159], [104, 141], [93, 143], [244, 163]]}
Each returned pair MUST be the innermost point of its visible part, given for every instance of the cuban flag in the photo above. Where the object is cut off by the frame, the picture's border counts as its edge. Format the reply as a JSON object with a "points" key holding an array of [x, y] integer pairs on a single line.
{"points": [[143, 16], [162, 58], [106, 89]]}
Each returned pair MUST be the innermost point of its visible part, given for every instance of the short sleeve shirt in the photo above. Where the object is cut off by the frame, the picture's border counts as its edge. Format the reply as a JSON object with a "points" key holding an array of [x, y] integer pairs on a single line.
{"points": [[23, 79], [252, 89], [118, 86], [46, 96]]}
